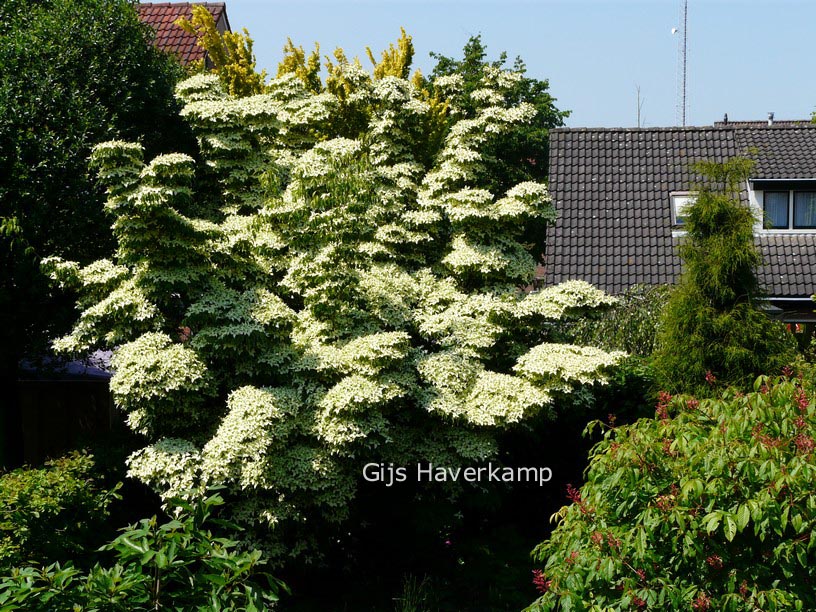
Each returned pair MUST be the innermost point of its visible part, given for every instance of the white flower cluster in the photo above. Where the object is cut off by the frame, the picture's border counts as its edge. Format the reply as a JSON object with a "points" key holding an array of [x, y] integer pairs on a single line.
{"points": [[450, 372], [123, 312], [357, 392], [200, 87], [488, 96], [528, 199], [353, 410], [501, 79], [463, 389], [102, 274], [65, 274], [450, 85], [114, 153], [392, 89], [561, 365], [466, 322], [119, 165], [498, 399], [318, 161], [468, 203], [570, 298], [164, 381], [170, 466], [503, 256], [258, 421]]}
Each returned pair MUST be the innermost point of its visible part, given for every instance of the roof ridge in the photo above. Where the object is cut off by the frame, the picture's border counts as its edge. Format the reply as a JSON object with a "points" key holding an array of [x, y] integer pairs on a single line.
{"points": [[182, 3], [717, 127]]}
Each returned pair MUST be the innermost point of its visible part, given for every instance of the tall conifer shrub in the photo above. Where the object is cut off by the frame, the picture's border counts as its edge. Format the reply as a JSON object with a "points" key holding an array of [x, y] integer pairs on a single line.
{"points": [[713, 328]]}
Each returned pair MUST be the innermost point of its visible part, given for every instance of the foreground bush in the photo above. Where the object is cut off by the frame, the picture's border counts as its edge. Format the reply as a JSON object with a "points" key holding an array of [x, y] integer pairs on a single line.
{"points": [[708, 506], [49, 513], [178, 565]]}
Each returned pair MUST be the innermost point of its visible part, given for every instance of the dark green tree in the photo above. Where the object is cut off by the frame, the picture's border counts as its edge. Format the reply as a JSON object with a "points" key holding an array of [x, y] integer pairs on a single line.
{"points": [[713, 328], [72, 73], [75, 72], [523, 153]]}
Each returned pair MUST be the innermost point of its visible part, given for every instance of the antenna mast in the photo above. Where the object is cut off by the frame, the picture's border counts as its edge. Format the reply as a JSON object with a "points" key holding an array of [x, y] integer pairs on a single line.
{"points": [[682, 58]]}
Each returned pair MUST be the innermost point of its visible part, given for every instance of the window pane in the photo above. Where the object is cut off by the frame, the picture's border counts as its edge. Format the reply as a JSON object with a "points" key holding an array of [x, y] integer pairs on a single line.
{"points": [[776, 209], [680, 203], [804, 209]]}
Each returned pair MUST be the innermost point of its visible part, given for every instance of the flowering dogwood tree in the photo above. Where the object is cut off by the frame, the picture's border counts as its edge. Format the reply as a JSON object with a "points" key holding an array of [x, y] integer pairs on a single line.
{"points": [[300, 304]]}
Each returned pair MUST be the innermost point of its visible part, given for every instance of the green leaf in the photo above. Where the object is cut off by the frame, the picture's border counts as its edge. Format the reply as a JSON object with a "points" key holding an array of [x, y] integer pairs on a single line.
{"points": [[743, 516], [729, 528], [801, 555], [216, 579], [712, 521], [130, 544]]}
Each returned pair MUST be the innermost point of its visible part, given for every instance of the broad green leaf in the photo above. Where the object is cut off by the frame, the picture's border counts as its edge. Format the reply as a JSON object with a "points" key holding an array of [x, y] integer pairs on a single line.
{"points": [[729, 528]]}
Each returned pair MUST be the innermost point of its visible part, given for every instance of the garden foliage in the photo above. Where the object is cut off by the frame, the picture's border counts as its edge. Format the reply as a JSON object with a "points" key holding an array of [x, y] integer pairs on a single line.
{"points": [[523, 153], [708, 506], [72, 73], [75, 72], [177, 565], [50, 513], [349, 298], [713, 321], [631, 325], [230, 53]]}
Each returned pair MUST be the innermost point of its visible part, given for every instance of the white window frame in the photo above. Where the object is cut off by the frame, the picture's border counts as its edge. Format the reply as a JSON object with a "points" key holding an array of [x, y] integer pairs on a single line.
{"points": [[680, 200], [758, 201]]}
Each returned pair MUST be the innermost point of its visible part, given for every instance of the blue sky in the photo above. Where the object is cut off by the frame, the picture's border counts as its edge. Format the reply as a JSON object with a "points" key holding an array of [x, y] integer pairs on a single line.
{"points": [[745, 57]]}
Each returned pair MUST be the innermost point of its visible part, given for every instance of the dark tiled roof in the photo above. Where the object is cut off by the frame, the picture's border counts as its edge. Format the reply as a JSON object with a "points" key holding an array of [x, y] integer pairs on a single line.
{"points": [[790, 264], [782, 123], [161, 16], [612, 190], [782, 152]]}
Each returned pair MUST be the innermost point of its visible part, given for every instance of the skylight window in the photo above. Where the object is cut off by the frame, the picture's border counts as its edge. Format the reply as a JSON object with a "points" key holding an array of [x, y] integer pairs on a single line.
{"points": [[680, 201]]}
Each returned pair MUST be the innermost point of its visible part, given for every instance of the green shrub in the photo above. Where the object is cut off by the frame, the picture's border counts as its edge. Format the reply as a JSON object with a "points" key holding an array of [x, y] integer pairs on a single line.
{"points": [[178, 565], [630, 325], [49, 513], [713, 322], [708, 506]]}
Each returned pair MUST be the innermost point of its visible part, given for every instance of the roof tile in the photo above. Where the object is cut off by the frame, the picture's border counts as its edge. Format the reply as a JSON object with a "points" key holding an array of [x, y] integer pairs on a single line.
{"points": [[161, 16], [612, 188]]}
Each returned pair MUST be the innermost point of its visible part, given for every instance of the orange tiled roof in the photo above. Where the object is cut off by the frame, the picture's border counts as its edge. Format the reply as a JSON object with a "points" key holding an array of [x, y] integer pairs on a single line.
{"points": [[169, 37]]}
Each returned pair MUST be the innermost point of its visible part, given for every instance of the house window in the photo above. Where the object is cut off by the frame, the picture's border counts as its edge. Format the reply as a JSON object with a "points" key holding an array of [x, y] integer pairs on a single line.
{"points": [[804, 209], [680, 201], [776, 209], [789, 209]]}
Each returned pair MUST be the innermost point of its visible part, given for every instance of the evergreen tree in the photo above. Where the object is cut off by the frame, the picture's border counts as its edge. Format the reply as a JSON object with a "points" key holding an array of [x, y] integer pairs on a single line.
{"points": [[713, 325], [72, 73], [230, 53]]}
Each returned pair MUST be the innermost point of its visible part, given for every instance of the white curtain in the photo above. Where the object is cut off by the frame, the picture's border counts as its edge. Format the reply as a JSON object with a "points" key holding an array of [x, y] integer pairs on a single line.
{"points": [[776, 209], [804, 210]]}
